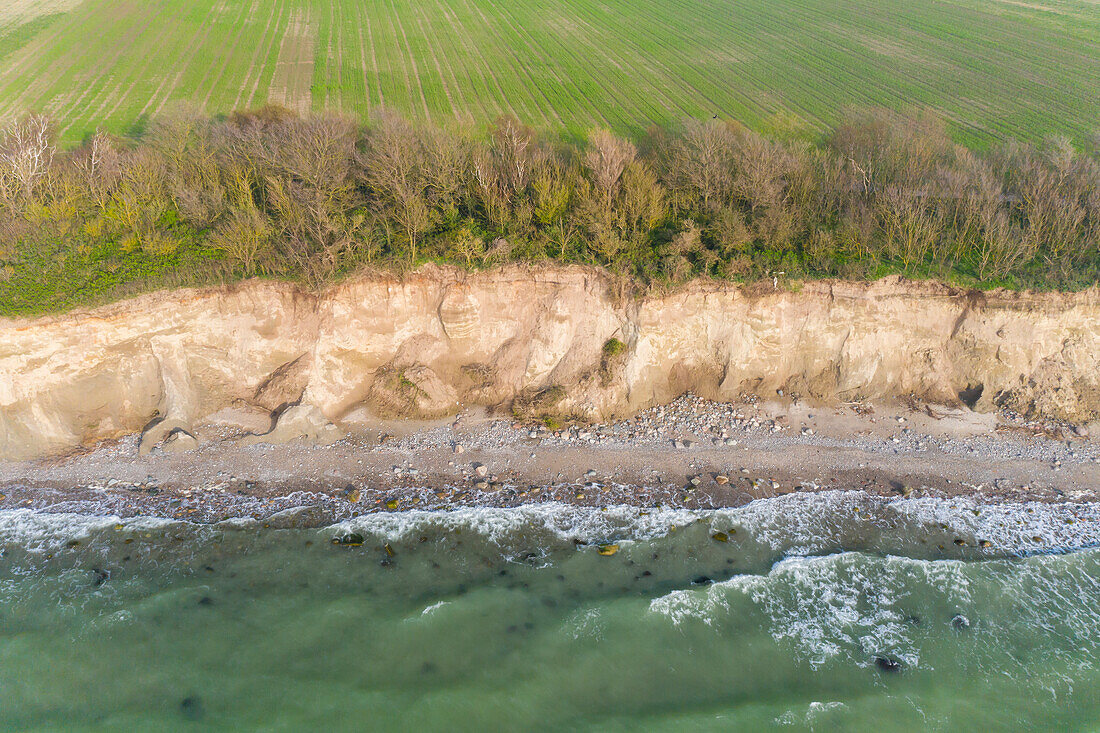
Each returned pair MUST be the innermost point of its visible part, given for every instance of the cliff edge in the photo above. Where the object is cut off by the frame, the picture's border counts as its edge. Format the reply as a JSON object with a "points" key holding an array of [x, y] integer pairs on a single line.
{"points": [[277, 362]]}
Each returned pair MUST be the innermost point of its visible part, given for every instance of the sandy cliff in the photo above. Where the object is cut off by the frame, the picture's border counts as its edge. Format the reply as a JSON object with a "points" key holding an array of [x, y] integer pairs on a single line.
{"points": [[266, 356]]}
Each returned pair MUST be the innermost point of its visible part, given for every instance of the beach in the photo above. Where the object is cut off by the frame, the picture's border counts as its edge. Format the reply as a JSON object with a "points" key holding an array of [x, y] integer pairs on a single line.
{"points": [[692, 453]]}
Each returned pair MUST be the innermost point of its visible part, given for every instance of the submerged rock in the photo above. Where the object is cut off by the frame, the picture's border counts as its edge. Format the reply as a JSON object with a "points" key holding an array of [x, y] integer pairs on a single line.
{"points": [[888, 664], [191, 708], [607, 549], [352, 539]]}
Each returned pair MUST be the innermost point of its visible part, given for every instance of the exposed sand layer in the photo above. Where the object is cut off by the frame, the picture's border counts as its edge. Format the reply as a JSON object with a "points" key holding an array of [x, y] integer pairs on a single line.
{"points": [[277, 363]]}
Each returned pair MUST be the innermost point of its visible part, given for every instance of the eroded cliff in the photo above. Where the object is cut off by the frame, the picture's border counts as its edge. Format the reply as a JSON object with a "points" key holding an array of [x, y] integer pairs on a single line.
{"points": [[273, 360]]}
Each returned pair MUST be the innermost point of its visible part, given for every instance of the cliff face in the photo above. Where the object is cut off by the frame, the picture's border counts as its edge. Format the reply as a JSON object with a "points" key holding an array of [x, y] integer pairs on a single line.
{"points": [[533, 340]]}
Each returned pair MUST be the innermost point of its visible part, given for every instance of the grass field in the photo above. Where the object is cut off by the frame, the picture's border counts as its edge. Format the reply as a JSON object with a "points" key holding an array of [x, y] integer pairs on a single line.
{"points": [[993, 68]]}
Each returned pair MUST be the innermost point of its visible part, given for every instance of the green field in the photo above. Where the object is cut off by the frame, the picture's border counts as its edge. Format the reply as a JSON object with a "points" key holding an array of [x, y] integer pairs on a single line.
{"points": [[993, 68]]}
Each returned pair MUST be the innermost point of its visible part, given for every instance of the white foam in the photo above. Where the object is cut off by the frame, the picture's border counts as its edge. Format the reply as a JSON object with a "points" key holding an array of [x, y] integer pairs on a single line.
{"points": [[703, 605], [848, 604], [43, 532], [429, 610], [796, 524], [812, 520], [825, 607], [812, 712], [519, 527], [1060, 526], [586, 623]]}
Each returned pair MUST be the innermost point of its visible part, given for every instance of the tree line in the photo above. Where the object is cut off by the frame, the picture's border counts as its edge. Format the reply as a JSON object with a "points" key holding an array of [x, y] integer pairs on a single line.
{"points": [[266, 192]]}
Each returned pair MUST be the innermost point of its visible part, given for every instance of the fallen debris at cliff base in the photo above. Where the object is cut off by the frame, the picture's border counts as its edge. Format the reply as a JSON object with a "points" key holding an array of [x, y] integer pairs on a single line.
{"points": [[741, 452]]}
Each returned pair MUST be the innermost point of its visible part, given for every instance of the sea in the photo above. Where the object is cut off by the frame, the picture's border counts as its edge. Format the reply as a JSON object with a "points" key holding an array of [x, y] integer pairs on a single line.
{"points": [[834, 611]]}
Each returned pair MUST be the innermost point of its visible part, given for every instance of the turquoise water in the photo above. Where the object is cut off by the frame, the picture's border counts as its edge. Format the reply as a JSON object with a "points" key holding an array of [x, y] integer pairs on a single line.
{"points": [[825, 612]]}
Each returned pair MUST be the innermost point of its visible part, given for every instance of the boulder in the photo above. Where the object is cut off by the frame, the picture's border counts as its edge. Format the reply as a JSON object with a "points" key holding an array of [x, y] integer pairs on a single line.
{"points": [[299, 422]]}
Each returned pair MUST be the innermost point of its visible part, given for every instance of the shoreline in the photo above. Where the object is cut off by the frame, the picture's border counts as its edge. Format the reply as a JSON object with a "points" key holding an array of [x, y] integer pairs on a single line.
{"points": [[691, 453]]}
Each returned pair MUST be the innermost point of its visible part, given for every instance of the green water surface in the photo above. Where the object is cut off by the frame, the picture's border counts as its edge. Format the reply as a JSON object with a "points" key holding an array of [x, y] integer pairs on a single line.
{"points": [[513, 620]]}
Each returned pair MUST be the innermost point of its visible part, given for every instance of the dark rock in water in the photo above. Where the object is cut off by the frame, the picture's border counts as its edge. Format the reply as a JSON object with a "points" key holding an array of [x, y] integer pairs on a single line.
{"points": [[913, 619], [702, 580], [960, 622], [887, 664], [99, 577], [352, 539], [206, 601], [191, 708]]}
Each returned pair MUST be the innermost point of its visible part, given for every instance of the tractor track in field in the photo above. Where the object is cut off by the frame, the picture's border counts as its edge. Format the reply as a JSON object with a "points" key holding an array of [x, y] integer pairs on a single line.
{"points": [[226, 55], [120, 97], [200, 33], [257, 53], [412, 60]]}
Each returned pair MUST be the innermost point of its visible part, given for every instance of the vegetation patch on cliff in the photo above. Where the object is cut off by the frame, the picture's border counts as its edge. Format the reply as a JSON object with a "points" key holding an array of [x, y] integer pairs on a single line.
{"points": [[195, 200]]}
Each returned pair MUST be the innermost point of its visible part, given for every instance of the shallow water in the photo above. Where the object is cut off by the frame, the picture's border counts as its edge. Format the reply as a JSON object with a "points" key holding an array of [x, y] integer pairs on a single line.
{"points": [[510, 619]]}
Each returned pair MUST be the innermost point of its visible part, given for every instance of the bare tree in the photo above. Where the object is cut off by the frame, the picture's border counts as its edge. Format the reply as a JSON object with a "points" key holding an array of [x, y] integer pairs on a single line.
{"points": [[700, 161], [26, 153], [393, 166], [606, 157], [641, 201], [512, 144], [98, 167]]}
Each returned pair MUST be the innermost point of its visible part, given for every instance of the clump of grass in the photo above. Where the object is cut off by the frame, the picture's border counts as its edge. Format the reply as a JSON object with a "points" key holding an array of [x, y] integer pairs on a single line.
{"points": [[613, 347], [613, 350], [542, 404]]}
